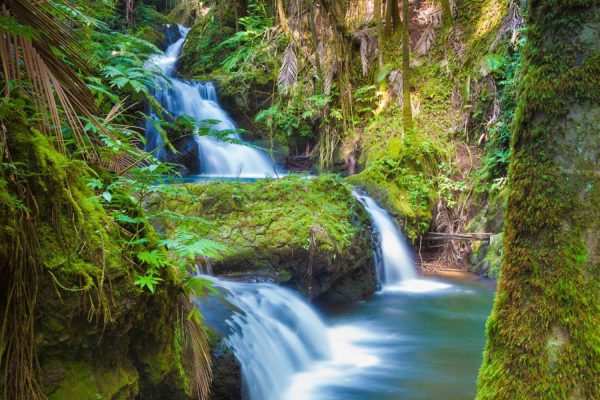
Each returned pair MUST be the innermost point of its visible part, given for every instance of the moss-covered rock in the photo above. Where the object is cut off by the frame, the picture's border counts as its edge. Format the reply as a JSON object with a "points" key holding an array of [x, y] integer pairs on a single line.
{"points": [[308, 233], [401, 174], [227, 371], [67, 289]]}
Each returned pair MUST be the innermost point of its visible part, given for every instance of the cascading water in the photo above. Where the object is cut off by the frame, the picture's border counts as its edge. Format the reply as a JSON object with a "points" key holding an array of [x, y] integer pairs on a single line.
{"points": [[383, 349], [396, 266], [199, 101], [274, 335], [284, 349]]}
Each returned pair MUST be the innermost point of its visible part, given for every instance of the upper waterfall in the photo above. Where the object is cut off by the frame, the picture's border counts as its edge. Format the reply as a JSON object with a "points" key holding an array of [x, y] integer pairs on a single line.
{"points": [[199, 101]]}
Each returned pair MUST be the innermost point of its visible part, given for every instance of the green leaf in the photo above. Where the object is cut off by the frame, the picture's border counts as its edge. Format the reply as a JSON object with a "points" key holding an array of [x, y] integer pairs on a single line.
{"points": [[147, 281], [95, 183], [107, 196], [127, 219], [154, 258]]}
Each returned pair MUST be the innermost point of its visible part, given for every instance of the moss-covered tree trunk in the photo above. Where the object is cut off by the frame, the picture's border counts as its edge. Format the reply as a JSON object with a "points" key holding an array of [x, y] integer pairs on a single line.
{"points": [[379, 24], [406, 105], [446, 14], [543, 337]]}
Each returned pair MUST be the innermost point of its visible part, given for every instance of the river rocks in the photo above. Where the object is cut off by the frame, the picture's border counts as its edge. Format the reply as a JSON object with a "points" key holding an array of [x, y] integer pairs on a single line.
{"points": [[310, 234]]}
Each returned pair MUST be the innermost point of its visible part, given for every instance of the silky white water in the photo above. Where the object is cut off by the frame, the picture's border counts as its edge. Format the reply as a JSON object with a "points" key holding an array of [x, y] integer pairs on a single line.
{"points": [[199, 101], [274, 335], [396, 269]]}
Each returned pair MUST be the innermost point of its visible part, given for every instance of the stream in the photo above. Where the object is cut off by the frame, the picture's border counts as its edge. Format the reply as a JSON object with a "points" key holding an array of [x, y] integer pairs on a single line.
{"points": [[416, 338]]}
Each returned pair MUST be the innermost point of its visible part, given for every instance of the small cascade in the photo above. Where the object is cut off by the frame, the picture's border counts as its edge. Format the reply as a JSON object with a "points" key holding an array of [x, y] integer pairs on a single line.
{"points": [[274, 334], [395, 264], [395, 259], [199, 101]]}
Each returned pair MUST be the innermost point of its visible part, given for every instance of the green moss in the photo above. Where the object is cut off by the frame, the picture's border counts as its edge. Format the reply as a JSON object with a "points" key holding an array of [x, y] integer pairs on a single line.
{"points": [[82, 381], [275, 213], [544, 331], [58, 243], [202, 53], [400, 171], [268, 227]]}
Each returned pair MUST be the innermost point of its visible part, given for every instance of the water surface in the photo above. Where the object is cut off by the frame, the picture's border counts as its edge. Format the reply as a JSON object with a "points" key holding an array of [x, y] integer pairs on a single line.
{"points": [[422, 344]]}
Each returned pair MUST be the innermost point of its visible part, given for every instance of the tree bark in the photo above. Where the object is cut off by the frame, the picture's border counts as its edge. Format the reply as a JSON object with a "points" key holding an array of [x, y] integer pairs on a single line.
{"points": [[283, 21], [406, 73], [392, 17], [378, 22], [315, 40], [446, 15], [543, 336]]}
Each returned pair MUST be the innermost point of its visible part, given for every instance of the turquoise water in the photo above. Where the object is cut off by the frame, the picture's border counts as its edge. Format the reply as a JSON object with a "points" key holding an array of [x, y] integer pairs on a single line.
{"points": [[424, 344]]}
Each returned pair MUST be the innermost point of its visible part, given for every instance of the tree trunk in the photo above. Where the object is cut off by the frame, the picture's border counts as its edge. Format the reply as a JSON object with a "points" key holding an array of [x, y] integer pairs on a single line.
{"points": [[543, 336], [392, 17], [378, 22], [315, 40], [283, 21], [446, 15], [406, 73]]}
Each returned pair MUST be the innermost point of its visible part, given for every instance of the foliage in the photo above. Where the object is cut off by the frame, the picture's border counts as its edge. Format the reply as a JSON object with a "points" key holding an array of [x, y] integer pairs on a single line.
{"points": [[497, 155], [403, 176]]}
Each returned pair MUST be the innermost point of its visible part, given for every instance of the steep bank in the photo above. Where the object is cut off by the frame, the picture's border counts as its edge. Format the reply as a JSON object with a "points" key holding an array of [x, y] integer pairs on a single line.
{"points": [[308, 233], [75, 326]]}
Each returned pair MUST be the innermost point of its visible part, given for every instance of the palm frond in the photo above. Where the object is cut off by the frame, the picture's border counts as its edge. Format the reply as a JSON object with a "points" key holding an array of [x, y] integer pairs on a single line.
{"points": [[40, 51], [425, 41], [55, 88], [511, 23], [368, 47], [396, 84], [430, 15], [196, 350], [288, 74]]}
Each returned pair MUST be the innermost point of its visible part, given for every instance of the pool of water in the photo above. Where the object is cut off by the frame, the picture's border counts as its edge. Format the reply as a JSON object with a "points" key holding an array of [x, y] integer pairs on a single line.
{"points": [[409, 343]]}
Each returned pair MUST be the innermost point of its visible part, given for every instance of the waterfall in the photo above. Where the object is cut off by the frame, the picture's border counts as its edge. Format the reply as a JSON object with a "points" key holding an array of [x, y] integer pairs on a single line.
{"points": [[395, 264], [199, 101], [395, 259], [274, 335]]}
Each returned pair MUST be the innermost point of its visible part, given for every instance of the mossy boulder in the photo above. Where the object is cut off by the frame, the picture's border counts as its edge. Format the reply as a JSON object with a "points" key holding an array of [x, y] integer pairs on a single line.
{"points": [[485, 259], [311, 234]]}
